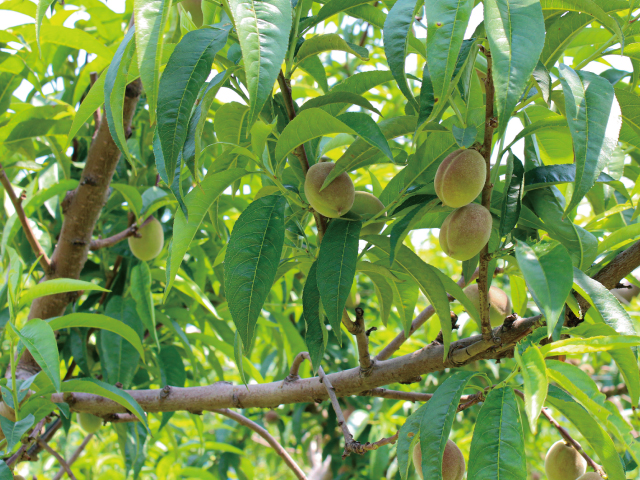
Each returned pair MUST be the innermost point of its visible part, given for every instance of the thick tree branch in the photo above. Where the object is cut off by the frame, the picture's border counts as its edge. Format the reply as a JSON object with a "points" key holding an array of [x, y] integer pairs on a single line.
{"points": [[131, 231], [81, 209], [74, 456], [490, 125], [61, 460], [267, 436], [45, 263], [345, 383]]}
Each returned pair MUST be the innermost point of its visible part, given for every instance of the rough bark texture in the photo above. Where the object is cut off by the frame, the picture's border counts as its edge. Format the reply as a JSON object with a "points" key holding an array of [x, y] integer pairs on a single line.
{"points": [[81, 212]]}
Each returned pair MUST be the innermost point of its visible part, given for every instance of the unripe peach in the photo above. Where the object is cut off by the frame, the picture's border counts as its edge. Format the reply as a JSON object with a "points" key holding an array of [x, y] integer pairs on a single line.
{"points": [[465, 231], [335, 200], [590, 476], [353, 300], [460, 178], [150, 243], [90, 423], [563, 462], [499, 303], [453, 465], [367, 205]]}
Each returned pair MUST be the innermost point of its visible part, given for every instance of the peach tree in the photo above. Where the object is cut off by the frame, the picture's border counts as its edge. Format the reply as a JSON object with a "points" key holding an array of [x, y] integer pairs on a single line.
{"points": [[365, 239]]}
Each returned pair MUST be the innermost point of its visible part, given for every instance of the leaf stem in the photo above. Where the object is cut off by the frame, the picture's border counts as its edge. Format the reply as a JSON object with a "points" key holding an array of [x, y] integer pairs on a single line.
{"points": [[14, 388], [294, 41]]}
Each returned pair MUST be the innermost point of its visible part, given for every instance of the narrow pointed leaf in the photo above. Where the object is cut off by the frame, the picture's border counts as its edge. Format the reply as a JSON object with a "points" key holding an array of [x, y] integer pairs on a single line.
{"points": [[251, 262], [328, 43], [407, 438], [547, 270], [512, 199], [536, 384], [337, 268], [497, 447], [57, 285], [515, 30], [13, 431], [314, 337], [141, 293], [263, 29], [594, 118], [40, 340], [41, 11], [185, 73], [151, 18]]}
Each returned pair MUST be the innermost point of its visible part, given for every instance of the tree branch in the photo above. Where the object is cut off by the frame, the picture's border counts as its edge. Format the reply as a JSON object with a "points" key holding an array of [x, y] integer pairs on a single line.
{"points": [[358, 330], [131, 231], [75, 456], [45, 263], [285, 88], [490, 125], [64, 464], [267, 436], [345, 383]]}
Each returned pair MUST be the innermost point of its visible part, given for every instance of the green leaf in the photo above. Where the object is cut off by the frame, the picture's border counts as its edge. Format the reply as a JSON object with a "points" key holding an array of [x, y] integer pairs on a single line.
{"points": [[359, 83], [536, 384], [548, 175], [314, 336], [337, 268], [184, 75], [515, 30], [339, 97], [497, 447], [314, 67], [604, 302], [55, 286], [150, 18], [589, 345], [40, 340], [141, 292], [547, 270], [447, 21], [238, 357], [41, 11], [395, 39], [384, 292], [115, 84], [251, 262], [119, 358], [327, 43], [427, 278], [131, 195], [360, 151], [102, 389], [263, 29], [99, 321], [512, 199], [403, 225], [407, 438], [437, 420], [199, 201], [13, 431], [315, 122], [5, 471], [405, 298], [90, 104], [594, 118], [74, 38], [590, 429], [332, 7], [619, 238]]}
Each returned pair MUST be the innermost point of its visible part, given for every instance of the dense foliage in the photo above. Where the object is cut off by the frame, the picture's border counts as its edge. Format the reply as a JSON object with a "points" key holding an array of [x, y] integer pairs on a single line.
{"points": [[187, 128]]}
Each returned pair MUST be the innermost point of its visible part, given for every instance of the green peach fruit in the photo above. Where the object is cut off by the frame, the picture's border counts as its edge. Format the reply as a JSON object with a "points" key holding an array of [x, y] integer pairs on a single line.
{"points": [[465, 231], [460, 178], [590, 476], [563, 462], [453, 464], [367, 205], [90, 423], [335, 200], [499, 303], [150, 243]]}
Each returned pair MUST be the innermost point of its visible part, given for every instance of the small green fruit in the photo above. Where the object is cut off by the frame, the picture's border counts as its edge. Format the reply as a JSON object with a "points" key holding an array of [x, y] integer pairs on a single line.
{"points": [[367, 205], [335, 200], [460, 178], [499, 303], [563, 462], [353, 301], [90, 423], [453, 464], [150, 243], [18, 477], [465, 231]]}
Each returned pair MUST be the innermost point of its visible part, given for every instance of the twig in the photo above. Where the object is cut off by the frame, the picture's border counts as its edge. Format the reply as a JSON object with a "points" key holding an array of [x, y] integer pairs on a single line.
{"points": [[45, 263], [285, 88], [75, 456], [70, 370], [131, 231], [407, 396], [568, 438], [64, 464], [490, 125], [242, 420], [614, 390], [358, 330], [295, 366], [22, 451]]}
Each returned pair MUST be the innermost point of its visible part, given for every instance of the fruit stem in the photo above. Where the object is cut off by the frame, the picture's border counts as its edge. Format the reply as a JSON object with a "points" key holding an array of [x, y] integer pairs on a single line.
{"points": [[490, 124]]}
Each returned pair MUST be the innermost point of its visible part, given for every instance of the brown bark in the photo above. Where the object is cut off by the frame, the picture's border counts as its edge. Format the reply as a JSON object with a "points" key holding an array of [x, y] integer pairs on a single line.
{"points": [[82, 210]]}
